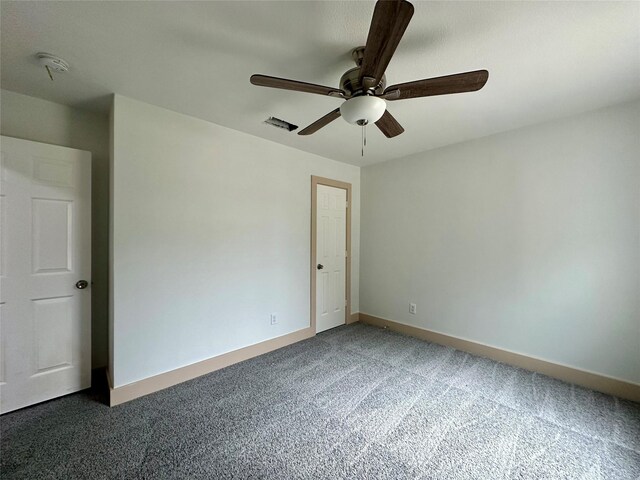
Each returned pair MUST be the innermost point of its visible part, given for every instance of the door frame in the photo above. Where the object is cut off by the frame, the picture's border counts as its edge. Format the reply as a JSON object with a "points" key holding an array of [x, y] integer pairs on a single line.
{"points": [[315, 181]]}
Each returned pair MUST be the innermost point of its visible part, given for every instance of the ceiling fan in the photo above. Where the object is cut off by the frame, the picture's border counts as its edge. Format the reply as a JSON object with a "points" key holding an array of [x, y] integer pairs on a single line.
{"points": [[364, 87]]}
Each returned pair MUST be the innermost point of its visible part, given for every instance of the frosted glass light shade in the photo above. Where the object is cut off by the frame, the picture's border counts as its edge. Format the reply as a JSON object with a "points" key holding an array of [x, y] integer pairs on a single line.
{"points": [[363, 110]]}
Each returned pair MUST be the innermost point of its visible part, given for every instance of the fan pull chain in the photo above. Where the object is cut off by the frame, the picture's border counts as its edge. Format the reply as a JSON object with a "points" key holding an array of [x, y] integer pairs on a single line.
{"points": [[364, 139]]}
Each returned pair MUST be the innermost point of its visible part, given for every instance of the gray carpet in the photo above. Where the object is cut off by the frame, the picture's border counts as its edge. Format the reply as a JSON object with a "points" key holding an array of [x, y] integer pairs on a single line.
{"points": [[354, 402]]}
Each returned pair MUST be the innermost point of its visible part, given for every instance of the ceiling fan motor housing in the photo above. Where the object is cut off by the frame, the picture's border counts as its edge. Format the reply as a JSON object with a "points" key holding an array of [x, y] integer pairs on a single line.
{"points": [[350, 83], [362, 106]]}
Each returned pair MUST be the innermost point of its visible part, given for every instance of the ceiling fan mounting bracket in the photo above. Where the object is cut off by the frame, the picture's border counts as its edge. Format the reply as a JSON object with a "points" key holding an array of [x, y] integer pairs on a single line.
{"points": [[357, 54]]}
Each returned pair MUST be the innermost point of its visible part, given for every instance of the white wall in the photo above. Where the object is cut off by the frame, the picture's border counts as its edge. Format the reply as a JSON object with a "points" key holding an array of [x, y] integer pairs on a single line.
{"points": [[528, 241], [38, 120], [211, 233]]}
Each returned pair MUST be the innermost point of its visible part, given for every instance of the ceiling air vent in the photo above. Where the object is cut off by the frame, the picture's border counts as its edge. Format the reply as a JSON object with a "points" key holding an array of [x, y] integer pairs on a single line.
{"points": [[276, 122]]}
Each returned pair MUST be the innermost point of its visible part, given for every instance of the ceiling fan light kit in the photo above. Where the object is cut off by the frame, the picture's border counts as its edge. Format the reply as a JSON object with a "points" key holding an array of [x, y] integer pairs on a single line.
{"points": [[363, 110], [364, 87]]}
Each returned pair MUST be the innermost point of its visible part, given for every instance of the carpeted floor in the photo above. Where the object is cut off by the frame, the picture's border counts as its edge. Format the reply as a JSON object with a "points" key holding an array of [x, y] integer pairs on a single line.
{"points": [[354, 402]]}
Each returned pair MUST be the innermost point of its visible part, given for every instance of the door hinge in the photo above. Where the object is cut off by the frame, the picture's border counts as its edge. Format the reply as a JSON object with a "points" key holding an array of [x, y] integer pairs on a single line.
{"points": [[346, 254], [345, 302], [346, 204]]}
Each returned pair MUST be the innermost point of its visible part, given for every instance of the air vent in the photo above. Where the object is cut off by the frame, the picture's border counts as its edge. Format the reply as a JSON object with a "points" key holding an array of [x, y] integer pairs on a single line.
{"points": [[276, 122]]}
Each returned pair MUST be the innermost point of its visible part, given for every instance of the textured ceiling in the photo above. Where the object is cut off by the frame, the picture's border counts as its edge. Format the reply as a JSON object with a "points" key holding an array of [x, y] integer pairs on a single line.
{"points": [[546, 60]]}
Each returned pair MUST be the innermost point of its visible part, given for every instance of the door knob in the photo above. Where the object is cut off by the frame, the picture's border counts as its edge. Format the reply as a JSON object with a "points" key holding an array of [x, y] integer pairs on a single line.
{"points": [[320, 266], [82, 284]]}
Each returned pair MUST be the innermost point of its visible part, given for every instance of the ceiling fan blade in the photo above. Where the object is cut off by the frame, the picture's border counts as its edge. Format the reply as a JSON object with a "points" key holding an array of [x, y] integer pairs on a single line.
{"points": [[389, 125], [390, 20], [322, 122], [458, 83], [286, 84]]}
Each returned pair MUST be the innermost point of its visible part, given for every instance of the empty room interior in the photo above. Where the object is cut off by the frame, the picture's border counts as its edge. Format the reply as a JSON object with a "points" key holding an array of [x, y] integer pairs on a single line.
{"points": [[320, 239]]}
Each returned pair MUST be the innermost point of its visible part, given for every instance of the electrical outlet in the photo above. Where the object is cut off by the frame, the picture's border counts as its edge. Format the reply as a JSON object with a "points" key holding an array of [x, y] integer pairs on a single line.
{"points": [[273, 318], [412, 308]]}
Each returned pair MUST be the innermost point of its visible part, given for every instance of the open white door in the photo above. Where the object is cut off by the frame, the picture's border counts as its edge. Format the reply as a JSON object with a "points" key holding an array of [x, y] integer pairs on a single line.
{"points": [[331, 254], [45, 272]]}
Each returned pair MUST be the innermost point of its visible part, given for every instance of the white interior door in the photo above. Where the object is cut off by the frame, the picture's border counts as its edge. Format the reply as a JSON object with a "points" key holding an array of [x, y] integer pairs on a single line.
{"points": [[45, 235], [331, 253]]}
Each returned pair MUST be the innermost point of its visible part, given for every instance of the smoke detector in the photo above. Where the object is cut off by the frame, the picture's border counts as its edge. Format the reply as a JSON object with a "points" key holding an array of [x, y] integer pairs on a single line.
{"points": [[52, 62]]}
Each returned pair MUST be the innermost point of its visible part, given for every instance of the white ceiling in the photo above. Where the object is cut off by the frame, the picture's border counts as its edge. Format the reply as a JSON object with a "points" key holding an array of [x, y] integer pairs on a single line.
{"points": [[545, 59]]}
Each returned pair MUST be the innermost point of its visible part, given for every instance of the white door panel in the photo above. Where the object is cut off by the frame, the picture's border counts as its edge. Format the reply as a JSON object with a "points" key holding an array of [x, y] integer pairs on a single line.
{"points": [[331, 254], [45, 248]]}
